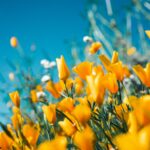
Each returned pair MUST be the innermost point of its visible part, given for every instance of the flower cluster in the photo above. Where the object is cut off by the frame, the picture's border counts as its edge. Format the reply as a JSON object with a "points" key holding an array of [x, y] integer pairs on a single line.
{"points": [[87, 108]]}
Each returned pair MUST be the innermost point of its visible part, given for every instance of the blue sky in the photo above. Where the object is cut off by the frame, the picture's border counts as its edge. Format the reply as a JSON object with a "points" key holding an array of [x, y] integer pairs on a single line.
{"points": [[47, 23]]}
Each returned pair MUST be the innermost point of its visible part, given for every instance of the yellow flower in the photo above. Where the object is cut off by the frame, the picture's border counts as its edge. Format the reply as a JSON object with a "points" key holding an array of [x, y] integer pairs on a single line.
{"points": [[39, 88], [95, 47], [141, 109], [54, 88], [96, 89], [97, 70], [82, 113], [78, 85], [14, 96], [66, 104], [13, 42], [110, 82], [83, 69], [147, 33], [16, 121], [31, 132], [115, 58], [34, 97], [50, 112], [63, 71], [143, 74], [131, 51], [115, 66], [59, 143], [5, 141], [84, 139], [133, 141], [68, 127], [69, 83]]}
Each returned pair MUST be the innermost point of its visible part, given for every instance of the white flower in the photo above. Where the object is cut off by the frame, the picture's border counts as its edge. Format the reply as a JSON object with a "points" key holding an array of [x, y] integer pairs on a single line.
{"points": [[40, 94], [47, 64], [45, 78], [11, 76], [87, 39]]}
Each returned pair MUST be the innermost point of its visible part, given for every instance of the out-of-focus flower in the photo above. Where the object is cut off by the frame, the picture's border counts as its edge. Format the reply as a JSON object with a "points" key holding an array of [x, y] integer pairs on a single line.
{"points": [[14, 96], [143, 74], [66, 105], [110, 82], [87, 39], [54, 88], [78, 85], [147, 33], [59, 143], [82, 113], [121, 71], [47, 64], [14, 42], [95, 47], [5, 141], [31, 132], [50, 113], [85, 139], [131, 51], [45, 78], [133, 141], [68, 127], [17, 120], [11, 76], [63, 71], [97, 70], [94, 86], [83, 69], [34, 97]]}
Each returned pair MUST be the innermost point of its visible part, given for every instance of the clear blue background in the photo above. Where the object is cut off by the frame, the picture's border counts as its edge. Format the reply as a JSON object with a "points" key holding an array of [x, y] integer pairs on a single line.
{"points": [[46, 23]]}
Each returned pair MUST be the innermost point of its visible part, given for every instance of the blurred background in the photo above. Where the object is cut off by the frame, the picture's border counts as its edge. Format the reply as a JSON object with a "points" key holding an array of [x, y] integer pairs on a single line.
{"points": [[46, 29]]}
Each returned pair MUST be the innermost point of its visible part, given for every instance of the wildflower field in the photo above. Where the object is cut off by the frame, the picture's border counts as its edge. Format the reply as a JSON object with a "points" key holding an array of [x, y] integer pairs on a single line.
{"points": [[92, 106], [99, 99]]}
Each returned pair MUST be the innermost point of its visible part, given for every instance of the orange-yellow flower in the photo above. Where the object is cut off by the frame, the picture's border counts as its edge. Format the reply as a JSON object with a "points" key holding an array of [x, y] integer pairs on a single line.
{"points": [[82, 113], [5, 141], [63, 71], [147, 33], [50, 112], [133, 141], [84, 139], [95, 47], [141, 109], [110, 82], [83, 69], [34, 97], [68, 127], [59, 143], [96, 89], [54, 88], [143, 74], [17, 120], [97, 70], [31, 132], [121, 71], [66, 104], [78, 85], [131, 51], [14, 42], [39, 88], [14, 96]]}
